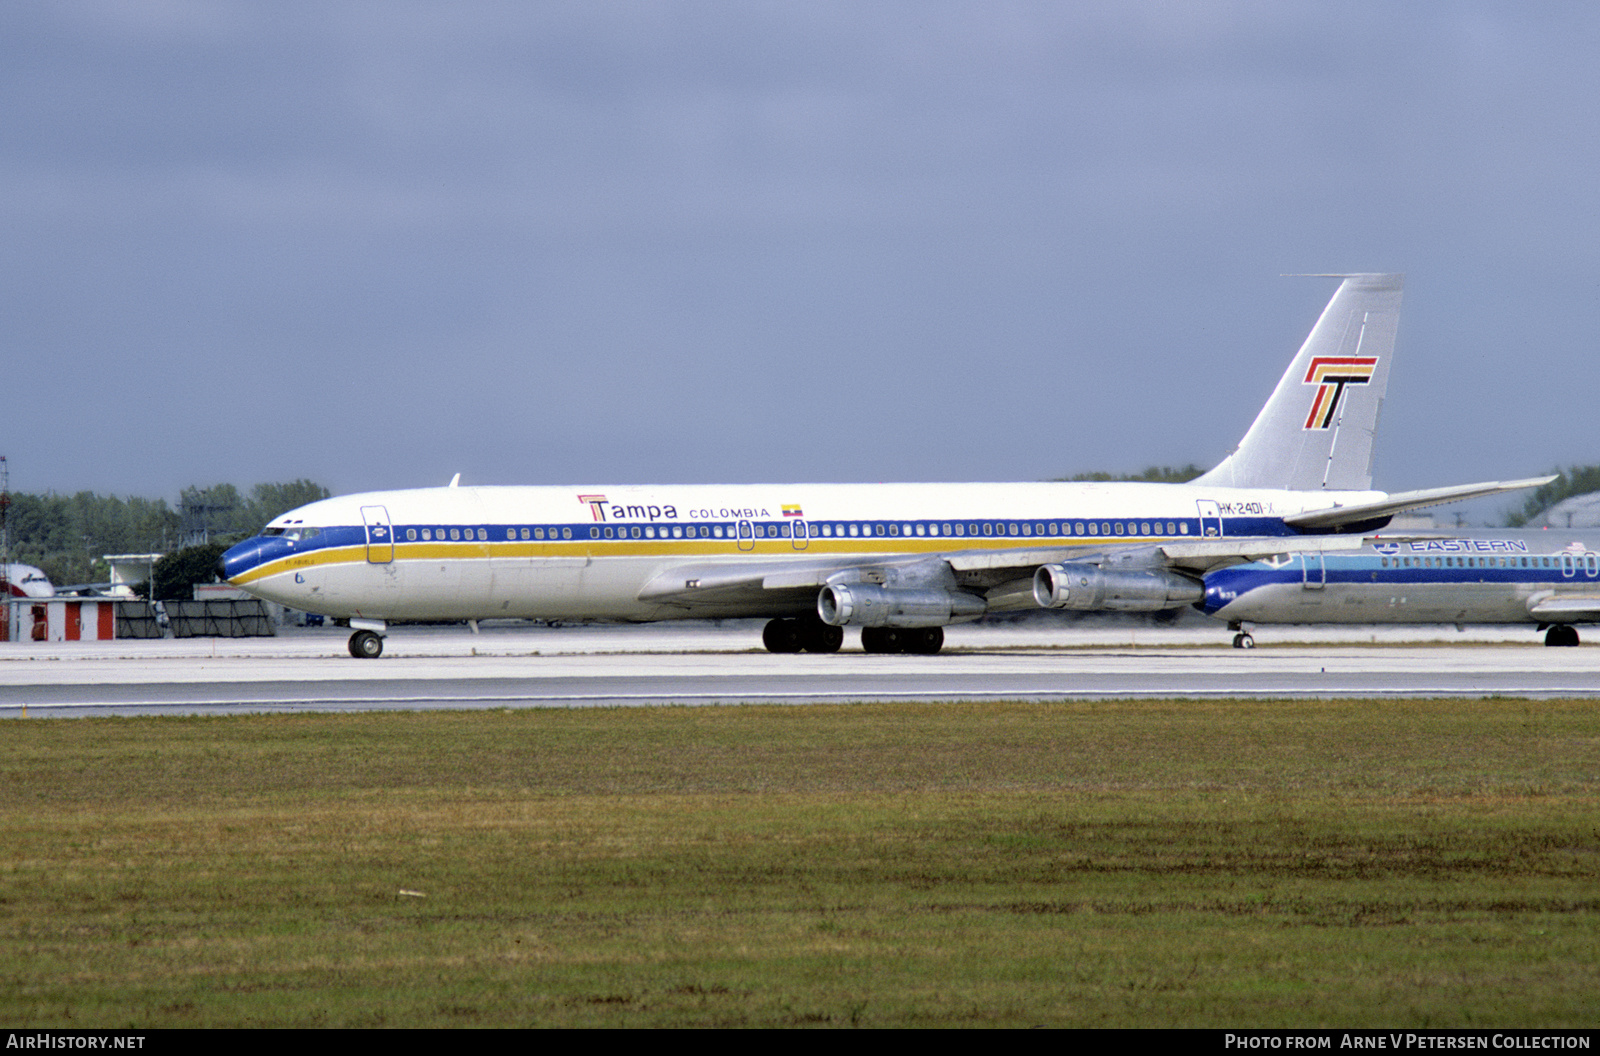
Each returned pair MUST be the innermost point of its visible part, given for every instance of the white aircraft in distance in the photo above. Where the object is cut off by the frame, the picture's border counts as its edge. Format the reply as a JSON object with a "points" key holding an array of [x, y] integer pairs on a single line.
{"points": [[25, 581], [899, 561], [1549, 578]]}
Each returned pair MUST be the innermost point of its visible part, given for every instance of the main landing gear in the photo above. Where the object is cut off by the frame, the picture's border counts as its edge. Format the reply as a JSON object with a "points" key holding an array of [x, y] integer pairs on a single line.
{"points": [[1561, 634], [924, 641], [814, 636], [793, 636]]}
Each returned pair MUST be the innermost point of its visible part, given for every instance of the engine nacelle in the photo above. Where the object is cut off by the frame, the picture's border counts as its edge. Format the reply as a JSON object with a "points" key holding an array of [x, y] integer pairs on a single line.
{"points": [[869, 605], [1085, 586]]}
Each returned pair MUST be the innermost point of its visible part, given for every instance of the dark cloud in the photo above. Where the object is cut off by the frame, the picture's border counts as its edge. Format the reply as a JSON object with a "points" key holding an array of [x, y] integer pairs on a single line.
{"points": [[375, 244]]}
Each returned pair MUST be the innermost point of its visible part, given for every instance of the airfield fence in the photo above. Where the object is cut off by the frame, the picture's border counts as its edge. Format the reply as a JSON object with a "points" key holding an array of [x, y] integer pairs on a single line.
{"points": [[136, 619], [220, 619]]}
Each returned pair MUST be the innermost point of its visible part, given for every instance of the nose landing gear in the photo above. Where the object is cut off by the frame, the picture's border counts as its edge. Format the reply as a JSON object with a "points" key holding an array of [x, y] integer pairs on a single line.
{"points": [[367, 641], [364, 645]]}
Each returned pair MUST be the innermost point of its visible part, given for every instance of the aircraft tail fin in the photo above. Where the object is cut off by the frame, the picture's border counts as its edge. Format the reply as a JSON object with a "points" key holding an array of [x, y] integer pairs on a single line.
{"points": [[1315, 432]]}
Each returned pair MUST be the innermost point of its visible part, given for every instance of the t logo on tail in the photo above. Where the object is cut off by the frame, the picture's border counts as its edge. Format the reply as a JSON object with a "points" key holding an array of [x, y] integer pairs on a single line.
{"points": [[1331, 374]]}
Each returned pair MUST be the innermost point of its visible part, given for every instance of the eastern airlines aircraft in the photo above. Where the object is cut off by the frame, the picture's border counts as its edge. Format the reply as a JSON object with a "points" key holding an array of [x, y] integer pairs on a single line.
{"points": [[1548, 578], [900, 561]]}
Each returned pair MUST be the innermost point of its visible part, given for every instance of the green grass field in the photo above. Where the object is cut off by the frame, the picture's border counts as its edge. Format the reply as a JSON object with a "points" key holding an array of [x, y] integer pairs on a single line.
{"points": [[1168, 863]]}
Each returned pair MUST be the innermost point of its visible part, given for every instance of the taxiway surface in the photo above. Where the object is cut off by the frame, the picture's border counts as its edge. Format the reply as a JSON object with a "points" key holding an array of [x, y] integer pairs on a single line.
{"points": [[522, 666]]}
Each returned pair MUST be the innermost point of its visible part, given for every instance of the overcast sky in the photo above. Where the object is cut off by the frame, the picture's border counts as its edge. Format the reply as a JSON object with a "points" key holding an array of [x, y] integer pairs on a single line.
{"points": [[376, 244]]}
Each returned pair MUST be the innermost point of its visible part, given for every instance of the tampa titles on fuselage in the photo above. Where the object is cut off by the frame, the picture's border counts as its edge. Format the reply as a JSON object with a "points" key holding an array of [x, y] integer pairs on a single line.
{"points": [[899, 561]]}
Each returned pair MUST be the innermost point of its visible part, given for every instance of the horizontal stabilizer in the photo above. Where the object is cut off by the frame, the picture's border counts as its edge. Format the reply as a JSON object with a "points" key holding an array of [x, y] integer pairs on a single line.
{"points": [[1337, 517], [1206, 554]]}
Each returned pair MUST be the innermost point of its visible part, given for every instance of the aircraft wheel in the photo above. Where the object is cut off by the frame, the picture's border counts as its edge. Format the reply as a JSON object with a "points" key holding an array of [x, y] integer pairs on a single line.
{"points": [[781, 636], [819, 637], [1561, 634], [364, 645], [1243, 640], [925, 642], [879, 640]]}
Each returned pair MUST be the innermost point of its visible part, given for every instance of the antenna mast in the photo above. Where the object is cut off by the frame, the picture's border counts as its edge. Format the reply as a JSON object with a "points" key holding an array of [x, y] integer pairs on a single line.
{"points": [[5, 532]]}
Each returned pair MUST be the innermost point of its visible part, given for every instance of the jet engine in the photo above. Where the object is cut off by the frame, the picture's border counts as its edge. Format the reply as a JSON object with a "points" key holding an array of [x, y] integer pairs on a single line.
{"points": [[1086, 586], [869, 605]]}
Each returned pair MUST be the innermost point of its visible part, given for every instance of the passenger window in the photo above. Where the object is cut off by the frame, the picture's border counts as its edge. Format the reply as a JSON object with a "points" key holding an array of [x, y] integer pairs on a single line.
{"points": [[566, 533], [594, 533]]}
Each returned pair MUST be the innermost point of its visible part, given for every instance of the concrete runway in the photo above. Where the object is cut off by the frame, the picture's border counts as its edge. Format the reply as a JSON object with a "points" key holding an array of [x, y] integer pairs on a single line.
{"points": [[695, 664]]}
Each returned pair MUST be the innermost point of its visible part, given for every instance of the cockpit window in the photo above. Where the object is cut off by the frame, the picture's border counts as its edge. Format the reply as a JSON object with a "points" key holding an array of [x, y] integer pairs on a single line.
{"points": [[272, 531]]}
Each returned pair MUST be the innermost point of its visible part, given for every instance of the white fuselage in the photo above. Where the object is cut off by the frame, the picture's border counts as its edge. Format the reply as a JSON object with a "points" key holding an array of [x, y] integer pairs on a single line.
{"points": [[594, 553]]}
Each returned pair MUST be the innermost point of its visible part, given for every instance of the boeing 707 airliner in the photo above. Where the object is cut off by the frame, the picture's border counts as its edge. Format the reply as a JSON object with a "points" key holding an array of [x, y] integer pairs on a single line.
{"points": [[899, 561]]}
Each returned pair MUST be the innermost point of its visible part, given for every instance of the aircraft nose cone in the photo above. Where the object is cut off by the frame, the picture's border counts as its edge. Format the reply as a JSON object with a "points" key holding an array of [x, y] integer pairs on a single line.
{"points": [[240, 558]]}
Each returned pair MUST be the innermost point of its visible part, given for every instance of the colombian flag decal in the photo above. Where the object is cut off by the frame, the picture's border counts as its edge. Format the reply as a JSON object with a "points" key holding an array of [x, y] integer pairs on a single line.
{"points": [[792, 511]]}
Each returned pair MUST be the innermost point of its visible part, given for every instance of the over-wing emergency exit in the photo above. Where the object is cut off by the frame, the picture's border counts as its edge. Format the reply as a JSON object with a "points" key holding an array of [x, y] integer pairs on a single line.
{"points": [[899, 561]]}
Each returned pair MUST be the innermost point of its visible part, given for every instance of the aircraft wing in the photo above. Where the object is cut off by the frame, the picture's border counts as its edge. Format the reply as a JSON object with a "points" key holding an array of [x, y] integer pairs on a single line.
{"points": [[689, 584], [992, 572], [1201, 555], [1565, 608], [1336, 518]]}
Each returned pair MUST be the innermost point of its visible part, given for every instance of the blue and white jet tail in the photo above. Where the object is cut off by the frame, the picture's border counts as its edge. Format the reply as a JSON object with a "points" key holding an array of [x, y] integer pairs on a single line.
{"points": [[1315, 432]]}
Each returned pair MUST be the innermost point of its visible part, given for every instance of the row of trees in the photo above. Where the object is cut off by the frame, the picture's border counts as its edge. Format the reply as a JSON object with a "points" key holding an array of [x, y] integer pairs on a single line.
{"points": [[65, 535], [1574, 480]]}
